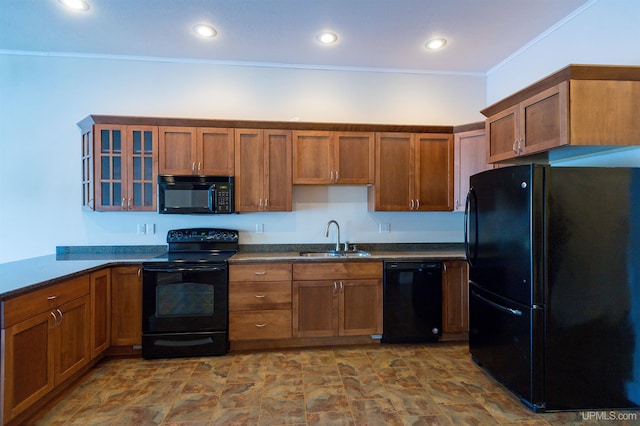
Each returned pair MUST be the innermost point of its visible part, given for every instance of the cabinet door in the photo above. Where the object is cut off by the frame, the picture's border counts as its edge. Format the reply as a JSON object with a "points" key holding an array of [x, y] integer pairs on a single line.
{"points": [[100, 311], [312, 157], [543, 120], [315, 308], [360, 307], [434, 172], [278, 184], [470, 158], [27, 363], [455, 297], [354, 158], [215, 152], [72, 350], [394, 171], [249, 182], [88, 170], [142, 157], [126, 306], [177, 150], [503, 134], [110, 167]]}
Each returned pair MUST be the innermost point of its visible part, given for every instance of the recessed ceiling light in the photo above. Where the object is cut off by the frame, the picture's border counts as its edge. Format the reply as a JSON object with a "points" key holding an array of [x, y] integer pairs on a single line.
{"points": [[80, 5], [326, 37], [436, 43], [205, 30]]}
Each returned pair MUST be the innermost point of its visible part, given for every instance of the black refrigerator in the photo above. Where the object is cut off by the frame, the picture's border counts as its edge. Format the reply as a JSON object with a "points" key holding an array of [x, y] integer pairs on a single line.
{"points": [[554, 283]]}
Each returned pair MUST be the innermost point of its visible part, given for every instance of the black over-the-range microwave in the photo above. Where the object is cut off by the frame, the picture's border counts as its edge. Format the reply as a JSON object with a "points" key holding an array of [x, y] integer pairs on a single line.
{"points": [[195, 194]]}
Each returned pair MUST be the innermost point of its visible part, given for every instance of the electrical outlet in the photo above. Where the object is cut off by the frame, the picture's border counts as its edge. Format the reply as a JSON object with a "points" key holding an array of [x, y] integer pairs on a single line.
{"points": [[384, 227], [151, 228], [259, 228], [141, 229]]}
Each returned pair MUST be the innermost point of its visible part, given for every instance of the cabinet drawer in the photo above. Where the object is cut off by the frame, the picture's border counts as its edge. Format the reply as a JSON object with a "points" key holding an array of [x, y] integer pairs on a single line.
{"points": [[28, 305], [247, 325], [260, 272], [337, 270], [247, 296]]}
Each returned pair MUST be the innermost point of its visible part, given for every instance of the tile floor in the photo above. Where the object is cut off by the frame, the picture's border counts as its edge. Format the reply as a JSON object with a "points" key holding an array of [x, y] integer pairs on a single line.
{"points": [[434, 384]]}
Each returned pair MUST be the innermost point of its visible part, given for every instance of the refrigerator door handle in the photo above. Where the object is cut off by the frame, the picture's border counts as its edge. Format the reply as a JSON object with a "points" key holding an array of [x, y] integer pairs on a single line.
{"points": [[467, 206], [515, 312]]}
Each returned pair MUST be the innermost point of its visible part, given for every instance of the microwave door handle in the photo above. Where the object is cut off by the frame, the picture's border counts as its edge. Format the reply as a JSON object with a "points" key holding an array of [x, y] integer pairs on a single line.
{"points": [[212, 193]]}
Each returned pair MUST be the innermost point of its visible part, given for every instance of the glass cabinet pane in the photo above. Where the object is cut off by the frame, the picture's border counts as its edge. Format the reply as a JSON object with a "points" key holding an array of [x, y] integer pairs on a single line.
{"points": [[137, 168], [137, 142]]}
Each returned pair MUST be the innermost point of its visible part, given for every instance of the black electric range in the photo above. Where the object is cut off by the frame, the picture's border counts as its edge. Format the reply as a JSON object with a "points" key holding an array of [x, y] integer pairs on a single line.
{"points": [[185, 294]]}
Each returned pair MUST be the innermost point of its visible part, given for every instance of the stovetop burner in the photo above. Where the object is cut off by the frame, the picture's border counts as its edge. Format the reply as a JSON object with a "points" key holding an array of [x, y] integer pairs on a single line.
{"points": [[199, 245]]}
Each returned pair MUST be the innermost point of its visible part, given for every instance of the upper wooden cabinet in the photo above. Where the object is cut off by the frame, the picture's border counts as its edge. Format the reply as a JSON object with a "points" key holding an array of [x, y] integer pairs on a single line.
{"points": [[196, 151], [470, 158], [414, 172], [119, 167], [594, 106], [263, 170], [323, 157]]}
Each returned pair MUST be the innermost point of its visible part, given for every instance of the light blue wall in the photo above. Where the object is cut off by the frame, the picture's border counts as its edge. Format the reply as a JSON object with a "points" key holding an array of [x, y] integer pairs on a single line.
{"points": [[43, 97]]}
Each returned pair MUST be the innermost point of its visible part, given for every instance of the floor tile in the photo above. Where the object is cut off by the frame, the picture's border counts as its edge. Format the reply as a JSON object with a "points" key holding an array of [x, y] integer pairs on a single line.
{"points": [[391, 384]]}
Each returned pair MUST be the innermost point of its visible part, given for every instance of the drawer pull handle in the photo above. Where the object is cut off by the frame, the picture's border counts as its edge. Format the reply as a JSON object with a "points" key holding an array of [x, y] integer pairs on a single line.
{"points": [[52, 297], [261, 273], [261, 325], [260, 296]]}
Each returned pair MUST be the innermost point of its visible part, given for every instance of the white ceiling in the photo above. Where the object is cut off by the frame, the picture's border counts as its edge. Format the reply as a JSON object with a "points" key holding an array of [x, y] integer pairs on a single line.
{"points": [[373, 34]]}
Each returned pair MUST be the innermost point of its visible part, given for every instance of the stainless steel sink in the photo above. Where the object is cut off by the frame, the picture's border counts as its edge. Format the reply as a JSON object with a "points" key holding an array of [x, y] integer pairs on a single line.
{"points": [[319, 254], [359, 253]]}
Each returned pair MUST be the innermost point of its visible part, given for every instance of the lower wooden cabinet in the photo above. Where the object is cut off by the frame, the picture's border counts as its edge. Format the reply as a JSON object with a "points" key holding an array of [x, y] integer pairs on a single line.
{"points": [[337, 299], [455, 297], [43, 347], [126, 306], [100, 311], [260, 301]]}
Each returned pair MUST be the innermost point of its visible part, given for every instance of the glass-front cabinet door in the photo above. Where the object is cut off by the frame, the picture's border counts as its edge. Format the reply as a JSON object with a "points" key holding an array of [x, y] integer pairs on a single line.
{"points": [[125, 167]]}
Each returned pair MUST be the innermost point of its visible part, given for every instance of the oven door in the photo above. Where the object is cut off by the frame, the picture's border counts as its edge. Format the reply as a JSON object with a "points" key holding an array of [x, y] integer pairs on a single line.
{"points": [[184, 298]]}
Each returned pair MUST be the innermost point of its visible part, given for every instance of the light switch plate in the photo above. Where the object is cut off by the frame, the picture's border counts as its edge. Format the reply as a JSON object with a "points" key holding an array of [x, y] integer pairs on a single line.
{"points": [[384, 227]]}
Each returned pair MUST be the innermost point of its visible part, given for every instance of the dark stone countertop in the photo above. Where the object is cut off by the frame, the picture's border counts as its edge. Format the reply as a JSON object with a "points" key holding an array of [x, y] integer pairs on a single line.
{"points": [[26, 275]]}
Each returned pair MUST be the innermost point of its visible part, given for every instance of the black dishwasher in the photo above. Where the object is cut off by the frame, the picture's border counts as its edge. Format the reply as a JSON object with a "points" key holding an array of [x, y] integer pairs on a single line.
{"points": [[412, 303]]}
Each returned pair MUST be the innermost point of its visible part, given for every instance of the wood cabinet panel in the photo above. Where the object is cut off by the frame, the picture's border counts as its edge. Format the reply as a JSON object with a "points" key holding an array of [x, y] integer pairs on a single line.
{"points": [[470, 159], [28, 363], [264, 324], [315, 309], [333, 157], [354, 158], [337, 270], [414, 172], [195, 151], [126, 306], [254, 272], [100, 311], [313, 157], [434, 172], [360, 307], [263, 165], [246, 296], [215, 151], [73, 348], [455, 297]]}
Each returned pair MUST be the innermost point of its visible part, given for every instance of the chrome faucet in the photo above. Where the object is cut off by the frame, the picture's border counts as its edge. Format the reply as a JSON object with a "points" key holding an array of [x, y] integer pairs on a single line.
{"points": [[326, 233]]}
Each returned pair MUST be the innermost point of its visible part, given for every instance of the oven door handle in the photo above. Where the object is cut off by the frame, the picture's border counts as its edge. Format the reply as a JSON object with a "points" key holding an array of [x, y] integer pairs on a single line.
{"points": [[191, 268]]}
